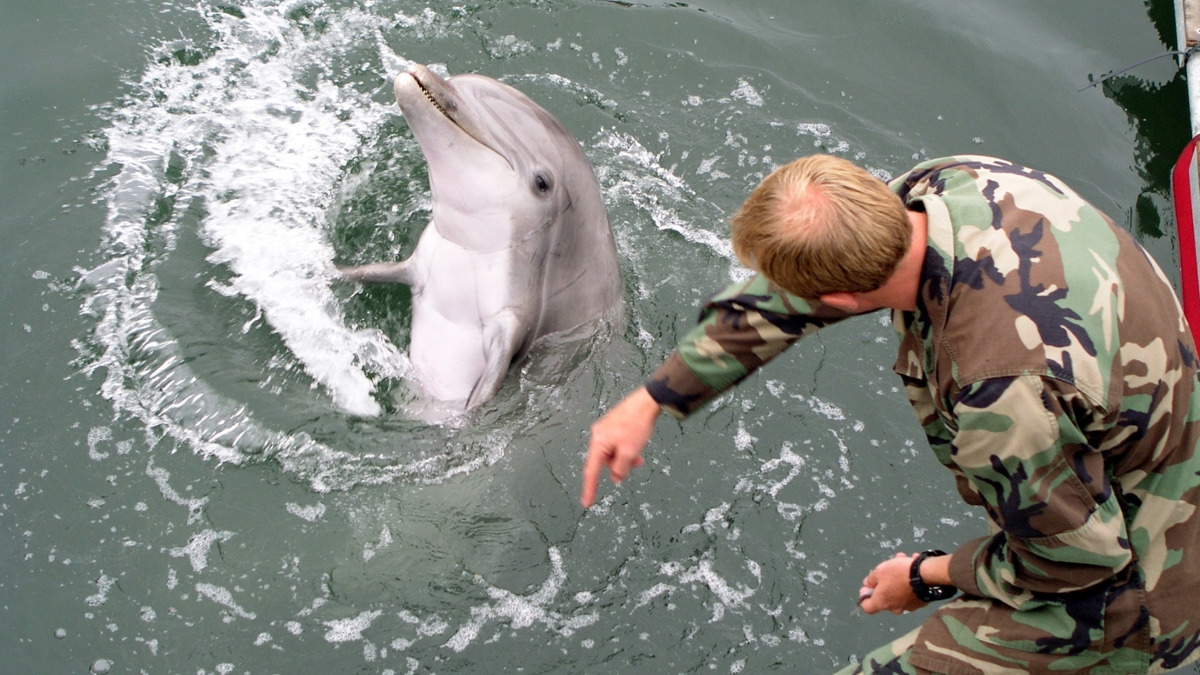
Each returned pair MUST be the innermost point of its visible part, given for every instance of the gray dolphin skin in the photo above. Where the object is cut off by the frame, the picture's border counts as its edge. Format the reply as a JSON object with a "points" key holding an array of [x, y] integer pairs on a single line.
{"points": [[519, 245]]}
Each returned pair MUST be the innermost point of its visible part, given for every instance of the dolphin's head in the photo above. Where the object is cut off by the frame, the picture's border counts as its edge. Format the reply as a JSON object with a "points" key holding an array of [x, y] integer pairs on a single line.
{"points": [[500, 167]]}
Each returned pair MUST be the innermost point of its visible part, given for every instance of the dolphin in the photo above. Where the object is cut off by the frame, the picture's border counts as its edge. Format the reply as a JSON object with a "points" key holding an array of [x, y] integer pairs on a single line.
{"points": [[518, 246]]}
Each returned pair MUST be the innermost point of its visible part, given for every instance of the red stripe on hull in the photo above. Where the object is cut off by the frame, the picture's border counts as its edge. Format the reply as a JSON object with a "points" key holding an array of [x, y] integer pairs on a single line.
{"points": [[1185, 188]]}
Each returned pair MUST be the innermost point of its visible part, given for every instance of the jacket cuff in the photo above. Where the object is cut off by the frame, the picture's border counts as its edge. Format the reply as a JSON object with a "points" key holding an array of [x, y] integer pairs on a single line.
{"points": [[677, 389], [963, 565]]}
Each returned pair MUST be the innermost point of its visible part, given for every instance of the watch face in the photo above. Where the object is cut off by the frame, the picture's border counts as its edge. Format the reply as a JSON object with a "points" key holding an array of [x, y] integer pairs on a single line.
{"points": [[934, 593]]}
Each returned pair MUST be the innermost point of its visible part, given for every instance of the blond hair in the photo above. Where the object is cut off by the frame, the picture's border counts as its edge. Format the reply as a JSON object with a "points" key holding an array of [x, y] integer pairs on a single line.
{"points": [[822, 225]]}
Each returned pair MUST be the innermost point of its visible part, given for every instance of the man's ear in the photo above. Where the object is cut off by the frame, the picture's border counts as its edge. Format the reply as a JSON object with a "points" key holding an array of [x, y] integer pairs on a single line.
{"points": [[847, 302]]}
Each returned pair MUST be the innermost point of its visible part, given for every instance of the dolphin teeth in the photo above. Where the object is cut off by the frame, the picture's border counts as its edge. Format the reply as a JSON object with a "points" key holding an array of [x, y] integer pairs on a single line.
{"points": [[432, 100]]}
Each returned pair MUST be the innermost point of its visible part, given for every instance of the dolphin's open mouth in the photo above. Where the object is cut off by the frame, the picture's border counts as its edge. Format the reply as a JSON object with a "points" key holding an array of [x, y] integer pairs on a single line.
{"points": [[429, 96]]}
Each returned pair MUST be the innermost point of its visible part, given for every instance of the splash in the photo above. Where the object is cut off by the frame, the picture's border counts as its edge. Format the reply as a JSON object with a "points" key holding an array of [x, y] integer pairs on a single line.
{"points": [[253, 130], [242, 142]]}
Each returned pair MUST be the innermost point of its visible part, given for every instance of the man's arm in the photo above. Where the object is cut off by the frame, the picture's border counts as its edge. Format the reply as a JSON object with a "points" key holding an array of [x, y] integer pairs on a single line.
{"points": [[742, 328]]}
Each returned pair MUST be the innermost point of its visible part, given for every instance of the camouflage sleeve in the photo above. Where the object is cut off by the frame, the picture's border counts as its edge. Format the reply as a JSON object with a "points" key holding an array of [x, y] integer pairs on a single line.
{"points": [[1021, 444], [740, 329]]}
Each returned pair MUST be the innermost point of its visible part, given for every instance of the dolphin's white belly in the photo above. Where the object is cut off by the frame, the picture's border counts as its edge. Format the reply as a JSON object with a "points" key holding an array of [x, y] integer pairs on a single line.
{"points": [[447, 356], [460, 292]]}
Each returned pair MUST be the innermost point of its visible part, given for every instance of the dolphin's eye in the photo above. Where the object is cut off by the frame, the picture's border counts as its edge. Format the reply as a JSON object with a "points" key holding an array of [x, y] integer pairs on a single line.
{"points": [[542, 183]]}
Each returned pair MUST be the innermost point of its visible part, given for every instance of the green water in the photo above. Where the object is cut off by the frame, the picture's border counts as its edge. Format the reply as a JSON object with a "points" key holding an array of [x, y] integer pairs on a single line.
{"points": [[180, 492]]}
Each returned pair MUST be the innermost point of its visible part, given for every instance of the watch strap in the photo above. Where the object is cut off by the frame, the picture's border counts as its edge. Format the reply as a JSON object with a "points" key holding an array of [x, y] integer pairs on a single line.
{"points": [[926, 592]]}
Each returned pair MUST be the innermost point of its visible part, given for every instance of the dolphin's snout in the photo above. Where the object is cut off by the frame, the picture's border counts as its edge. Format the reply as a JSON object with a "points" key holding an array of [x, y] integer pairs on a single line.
{"points": [[432, 87]]}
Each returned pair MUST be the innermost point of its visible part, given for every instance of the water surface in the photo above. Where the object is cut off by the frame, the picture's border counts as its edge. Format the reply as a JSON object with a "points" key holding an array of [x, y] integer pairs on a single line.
{"points": [[206, 465]]}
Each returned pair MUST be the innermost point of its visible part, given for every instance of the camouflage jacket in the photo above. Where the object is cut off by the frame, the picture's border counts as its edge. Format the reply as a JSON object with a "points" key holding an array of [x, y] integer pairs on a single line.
{"points": [[1051, 369]]}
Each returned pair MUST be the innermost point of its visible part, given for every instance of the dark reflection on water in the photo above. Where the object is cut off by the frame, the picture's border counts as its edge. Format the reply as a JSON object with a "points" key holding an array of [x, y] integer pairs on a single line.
{"points": [[1154, 110]]}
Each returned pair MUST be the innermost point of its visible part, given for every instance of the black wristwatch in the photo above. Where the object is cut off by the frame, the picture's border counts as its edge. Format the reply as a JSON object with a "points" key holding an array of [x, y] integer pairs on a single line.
{"points": [[925, 592]]}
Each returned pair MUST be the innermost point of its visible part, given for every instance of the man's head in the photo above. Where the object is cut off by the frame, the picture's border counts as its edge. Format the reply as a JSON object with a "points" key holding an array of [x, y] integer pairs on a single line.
{"points": [[822, 225]]}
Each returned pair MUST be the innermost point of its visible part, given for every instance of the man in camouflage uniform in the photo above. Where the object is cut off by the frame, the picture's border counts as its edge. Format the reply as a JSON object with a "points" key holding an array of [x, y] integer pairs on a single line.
{"points": [[1048, 361]]}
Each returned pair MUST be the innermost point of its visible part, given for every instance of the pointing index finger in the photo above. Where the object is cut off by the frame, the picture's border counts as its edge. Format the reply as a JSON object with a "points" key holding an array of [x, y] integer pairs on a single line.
{"points": [[592, 467]]}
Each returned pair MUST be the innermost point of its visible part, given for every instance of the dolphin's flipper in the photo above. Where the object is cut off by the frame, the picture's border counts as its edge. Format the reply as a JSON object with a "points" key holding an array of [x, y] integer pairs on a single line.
{"points": [[403, 272], [502, 337]]}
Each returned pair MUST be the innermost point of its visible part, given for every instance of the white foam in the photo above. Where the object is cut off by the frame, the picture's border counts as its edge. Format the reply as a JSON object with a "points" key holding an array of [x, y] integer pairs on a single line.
{"points": [[824, 408], [223, 597], [152, 645], [823, 137], [728, 595], [713, 518], [742, 440], [385, 540], [523, 611], [95, 437], [350, 630], [787, 457], [746, 92], [634, 175], [198, 546], [162, 478], [104, 584], [309, 513], [428, 24], [657, 590]]}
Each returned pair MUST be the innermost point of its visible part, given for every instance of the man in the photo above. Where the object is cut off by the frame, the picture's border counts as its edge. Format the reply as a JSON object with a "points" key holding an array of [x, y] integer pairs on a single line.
{"points": [[1049, 364]]}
